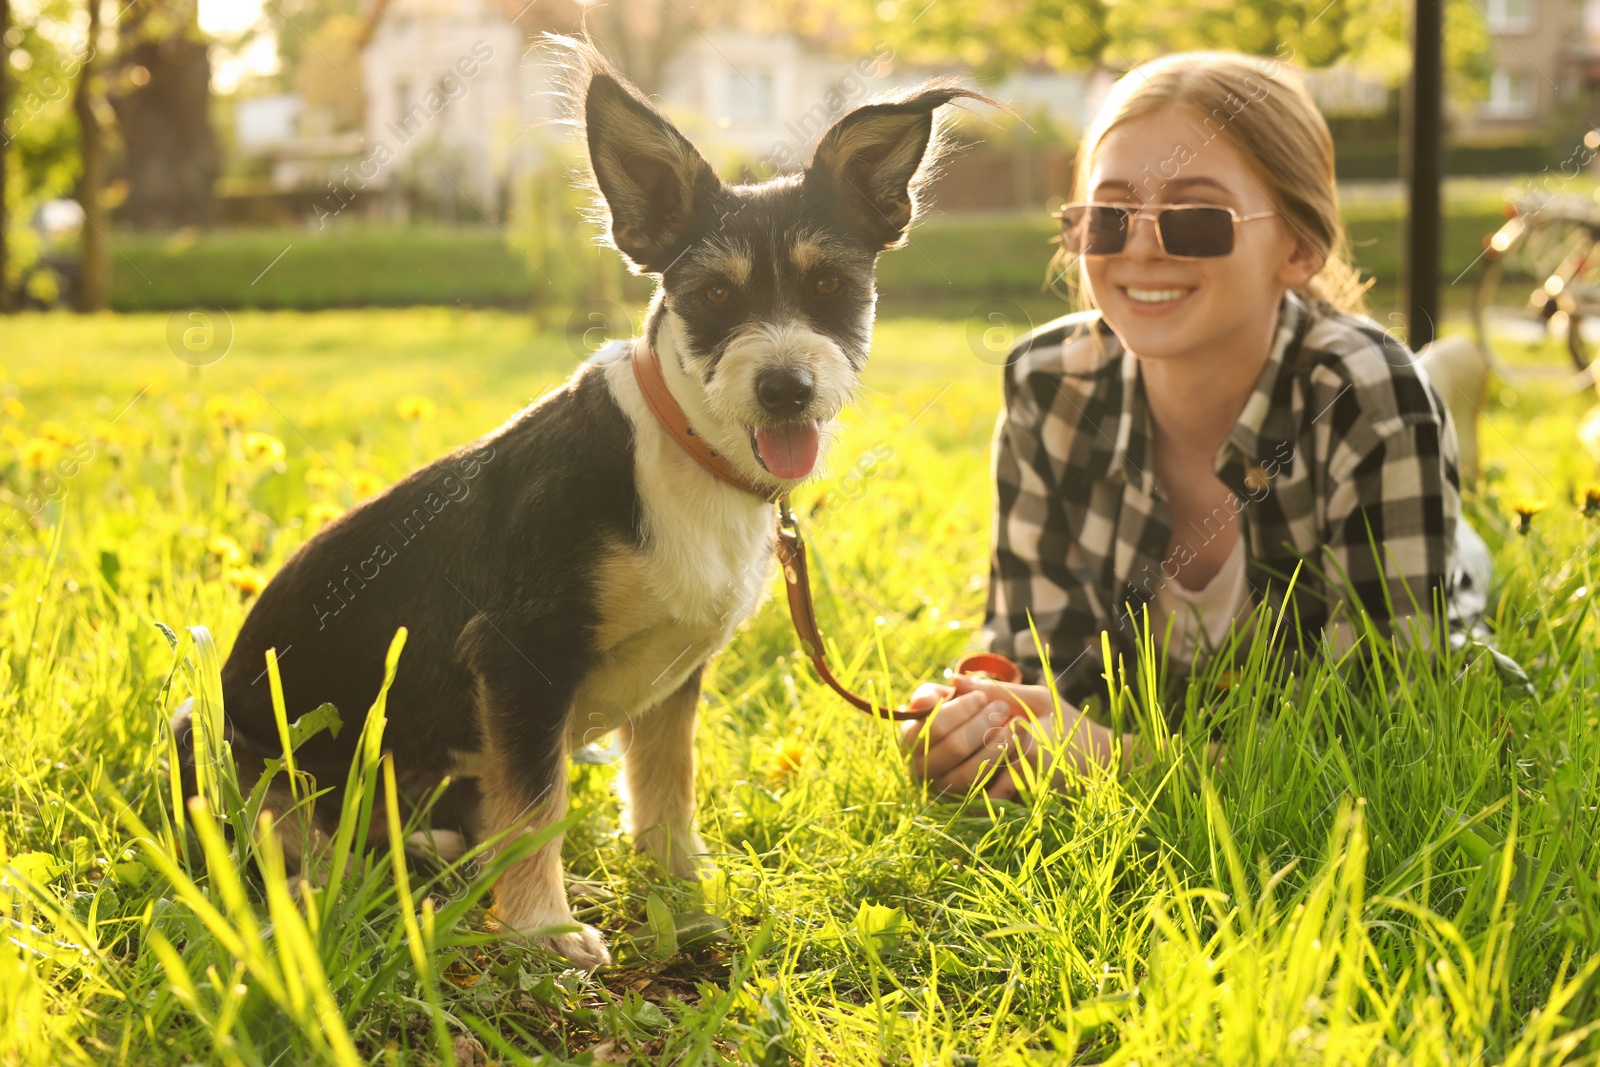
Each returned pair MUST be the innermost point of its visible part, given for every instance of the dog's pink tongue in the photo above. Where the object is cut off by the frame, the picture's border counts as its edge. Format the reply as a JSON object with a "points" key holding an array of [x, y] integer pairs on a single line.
{"points": [[789, 451]]}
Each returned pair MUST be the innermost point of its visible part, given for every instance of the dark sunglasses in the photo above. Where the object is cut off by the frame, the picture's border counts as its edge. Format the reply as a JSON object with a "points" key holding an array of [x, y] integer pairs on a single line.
{"points": [[1184, 231]]}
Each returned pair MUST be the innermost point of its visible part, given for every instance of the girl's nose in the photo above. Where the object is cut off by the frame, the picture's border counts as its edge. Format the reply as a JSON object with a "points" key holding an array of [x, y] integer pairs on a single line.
{"points": [[1143, 241]]}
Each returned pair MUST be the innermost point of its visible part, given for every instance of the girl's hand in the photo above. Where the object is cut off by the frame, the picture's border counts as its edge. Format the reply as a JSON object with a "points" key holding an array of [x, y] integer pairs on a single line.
{"points": [[967, 738], [984, 732]]}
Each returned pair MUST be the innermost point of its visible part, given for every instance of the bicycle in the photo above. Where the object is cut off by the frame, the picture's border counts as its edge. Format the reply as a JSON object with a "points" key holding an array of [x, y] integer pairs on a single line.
{"points": [[1553, 243]]}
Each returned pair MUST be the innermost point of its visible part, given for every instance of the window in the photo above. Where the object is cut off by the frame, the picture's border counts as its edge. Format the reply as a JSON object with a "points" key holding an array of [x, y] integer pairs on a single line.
{"points": [[1510, 16], [747, 95], [1511, 94]]}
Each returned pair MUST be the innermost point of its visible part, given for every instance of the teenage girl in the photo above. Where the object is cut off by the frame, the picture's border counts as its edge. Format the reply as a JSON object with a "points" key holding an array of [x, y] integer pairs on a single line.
{"points": [[1222, 413]]}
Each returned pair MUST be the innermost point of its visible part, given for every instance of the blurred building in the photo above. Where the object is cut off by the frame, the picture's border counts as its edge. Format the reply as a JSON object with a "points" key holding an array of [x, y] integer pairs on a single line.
{"points": [[449, 103], [457, 98], [1537, 49]]}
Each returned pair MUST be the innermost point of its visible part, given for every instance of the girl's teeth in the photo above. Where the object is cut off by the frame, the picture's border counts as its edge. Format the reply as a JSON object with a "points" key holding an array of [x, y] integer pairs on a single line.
{"points": [[1154, 296]]}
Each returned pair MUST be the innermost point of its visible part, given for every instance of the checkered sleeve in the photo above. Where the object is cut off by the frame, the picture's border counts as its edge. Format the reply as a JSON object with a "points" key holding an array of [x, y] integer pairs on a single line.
{"points": [[1032, 564], [1391, 515]]}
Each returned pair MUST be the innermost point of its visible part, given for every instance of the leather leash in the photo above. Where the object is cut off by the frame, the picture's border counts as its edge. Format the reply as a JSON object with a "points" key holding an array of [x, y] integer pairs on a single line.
{"points": [[791, 546]]}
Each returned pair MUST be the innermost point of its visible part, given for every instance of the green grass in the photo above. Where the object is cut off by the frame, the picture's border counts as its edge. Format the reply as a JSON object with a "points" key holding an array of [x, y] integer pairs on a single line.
{"points": [[1398, 874]]}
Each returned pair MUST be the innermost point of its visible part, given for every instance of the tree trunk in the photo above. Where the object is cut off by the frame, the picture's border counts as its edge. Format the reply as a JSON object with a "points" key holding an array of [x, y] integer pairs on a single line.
{"points": [[5, 152], [643, 35], [94, 276], [170, 155]]}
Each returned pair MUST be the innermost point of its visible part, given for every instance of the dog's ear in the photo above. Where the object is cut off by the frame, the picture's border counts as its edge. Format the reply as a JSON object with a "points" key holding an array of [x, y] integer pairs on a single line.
{"points": [[869, 161], [652, 179]]}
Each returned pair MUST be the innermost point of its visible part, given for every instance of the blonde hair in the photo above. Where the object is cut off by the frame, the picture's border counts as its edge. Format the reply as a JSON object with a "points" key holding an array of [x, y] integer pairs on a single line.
{"points": [[1267, 114]]}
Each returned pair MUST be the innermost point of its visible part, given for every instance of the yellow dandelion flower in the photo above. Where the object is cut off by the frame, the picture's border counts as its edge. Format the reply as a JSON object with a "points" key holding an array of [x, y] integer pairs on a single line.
{"points": [[12, 436], [115, 434], [324, 478], [1525, 511], [247, 579], [263, 446], [322, 513], [790, 755], [225, 548], [416, 408], [57, 433], [224, 412], [37, 453], [13, 407], [366, 483]]}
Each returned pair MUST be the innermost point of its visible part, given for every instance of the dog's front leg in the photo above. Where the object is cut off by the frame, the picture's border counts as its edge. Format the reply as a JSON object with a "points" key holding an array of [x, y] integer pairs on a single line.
{"points": [[658, 777], [523, 714]]}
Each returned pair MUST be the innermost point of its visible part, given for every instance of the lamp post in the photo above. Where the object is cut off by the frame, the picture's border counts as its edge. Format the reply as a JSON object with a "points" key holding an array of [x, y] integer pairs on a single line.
{"points": [[1422, 141]]}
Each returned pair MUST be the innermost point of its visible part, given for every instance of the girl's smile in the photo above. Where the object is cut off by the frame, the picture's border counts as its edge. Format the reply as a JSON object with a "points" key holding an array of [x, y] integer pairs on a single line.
{"points": [[1150, 300]]}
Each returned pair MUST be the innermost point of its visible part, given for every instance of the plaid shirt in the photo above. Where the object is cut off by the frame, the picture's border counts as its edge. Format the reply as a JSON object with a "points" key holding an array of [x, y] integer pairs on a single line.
{"points": [[1342, 445]]}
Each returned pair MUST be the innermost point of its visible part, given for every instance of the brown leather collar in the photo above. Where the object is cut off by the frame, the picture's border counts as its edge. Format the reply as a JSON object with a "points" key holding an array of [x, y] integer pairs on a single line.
{"points": [[647, 372]]}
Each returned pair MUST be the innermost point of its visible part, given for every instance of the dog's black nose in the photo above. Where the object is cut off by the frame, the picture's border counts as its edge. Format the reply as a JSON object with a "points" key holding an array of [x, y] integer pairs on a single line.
{"points": [[786, 391]]}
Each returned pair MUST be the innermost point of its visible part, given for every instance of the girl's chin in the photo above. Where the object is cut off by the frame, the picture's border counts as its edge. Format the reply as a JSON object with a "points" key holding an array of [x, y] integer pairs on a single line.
{"points": [[1154, 336]]}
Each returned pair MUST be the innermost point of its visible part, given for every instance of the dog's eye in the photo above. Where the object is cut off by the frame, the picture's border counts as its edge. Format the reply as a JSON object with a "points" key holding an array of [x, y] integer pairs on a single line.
{"points": [[829, 284], [718, 294]]}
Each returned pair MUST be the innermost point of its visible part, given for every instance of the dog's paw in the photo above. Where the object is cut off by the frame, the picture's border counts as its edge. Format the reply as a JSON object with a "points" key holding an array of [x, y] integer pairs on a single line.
{"points": [[585, 946]]}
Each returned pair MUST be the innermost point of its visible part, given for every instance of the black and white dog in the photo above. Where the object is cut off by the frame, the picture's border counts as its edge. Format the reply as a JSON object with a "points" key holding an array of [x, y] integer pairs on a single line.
{"points": [[573, 571]]}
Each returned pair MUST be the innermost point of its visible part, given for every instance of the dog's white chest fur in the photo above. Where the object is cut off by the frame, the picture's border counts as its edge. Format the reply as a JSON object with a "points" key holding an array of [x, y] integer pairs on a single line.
{"points": [[705, 566]]}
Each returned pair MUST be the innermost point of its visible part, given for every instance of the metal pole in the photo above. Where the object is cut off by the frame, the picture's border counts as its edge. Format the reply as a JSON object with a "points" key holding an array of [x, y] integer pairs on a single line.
{"points": [[1422, 137]]}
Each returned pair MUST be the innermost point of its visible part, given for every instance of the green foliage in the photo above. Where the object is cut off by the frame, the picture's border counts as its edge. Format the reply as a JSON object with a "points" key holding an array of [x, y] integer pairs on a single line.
{"points": [[1401, 871], [38, 132], [993, 38], [296, 24]]}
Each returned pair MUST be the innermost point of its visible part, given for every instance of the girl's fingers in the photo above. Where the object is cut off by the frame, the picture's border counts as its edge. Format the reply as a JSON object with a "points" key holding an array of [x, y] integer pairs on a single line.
{"points": [[955, 715], [978, 763], [1000, 691], [935, 757], [920, 734], [984, 732], [928, 694]]}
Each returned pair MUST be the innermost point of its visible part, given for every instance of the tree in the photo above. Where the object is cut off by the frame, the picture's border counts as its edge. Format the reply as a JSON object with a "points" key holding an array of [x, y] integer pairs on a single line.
{"points": [[991, 37], [294, 24], [5, 149], [641, 36], [329, 78], [39, 133], [94, 278], [163, 106]]}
